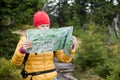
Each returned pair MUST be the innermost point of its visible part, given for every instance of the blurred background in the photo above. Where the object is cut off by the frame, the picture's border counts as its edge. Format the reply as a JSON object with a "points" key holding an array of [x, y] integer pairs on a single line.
{"points": [[96, 27]]}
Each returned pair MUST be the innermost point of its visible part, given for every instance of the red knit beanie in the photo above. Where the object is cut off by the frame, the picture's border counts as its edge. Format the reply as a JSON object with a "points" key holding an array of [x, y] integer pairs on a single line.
{"points": [[40, 18]]}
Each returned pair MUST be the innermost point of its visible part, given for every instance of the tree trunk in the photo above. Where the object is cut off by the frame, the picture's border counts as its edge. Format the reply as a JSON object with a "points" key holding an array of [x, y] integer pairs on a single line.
{"points": [[114, 25], [45, 7]]}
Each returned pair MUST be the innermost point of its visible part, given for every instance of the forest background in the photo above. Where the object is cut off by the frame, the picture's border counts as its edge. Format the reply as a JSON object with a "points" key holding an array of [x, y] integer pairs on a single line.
{"points": [[96, 26]]}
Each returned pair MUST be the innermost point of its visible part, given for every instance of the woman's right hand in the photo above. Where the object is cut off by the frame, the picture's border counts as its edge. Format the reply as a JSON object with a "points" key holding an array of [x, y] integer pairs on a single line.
{"points": [[26, 44]]}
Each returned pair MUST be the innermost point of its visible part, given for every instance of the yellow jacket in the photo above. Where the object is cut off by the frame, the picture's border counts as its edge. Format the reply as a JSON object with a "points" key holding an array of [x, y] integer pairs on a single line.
{"points": [[40, 62]]}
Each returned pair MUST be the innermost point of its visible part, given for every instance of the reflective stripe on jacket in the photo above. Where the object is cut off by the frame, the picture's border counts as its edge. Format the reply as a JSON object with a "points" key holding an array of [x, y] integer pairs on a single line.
{"points": [[40, 62]]}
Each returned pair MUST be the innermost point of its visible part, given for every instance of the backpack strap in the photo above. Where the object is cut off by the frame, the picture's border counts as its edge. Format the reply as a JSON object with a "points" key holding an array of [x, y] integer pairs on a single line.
{"points": [[26, 58], [23, 72], [54, 53]]}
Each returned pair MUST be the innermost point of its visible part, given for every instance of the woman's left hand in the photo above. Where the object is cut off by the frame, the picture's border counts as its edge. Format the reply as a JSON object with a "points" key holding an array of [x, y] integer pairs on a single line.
{"points": [[74, 40]]}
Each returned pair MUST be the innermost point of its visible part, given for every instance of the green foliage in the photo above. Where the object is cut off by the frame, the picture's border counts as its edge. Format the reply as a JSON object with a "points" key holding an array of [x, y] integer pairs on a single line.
{"points": [[80, 12], [40, 4], [20, 11], [77, 31], [110, 70], [8, 43], [93, 51], [114, 66], [95, 54], [8, 71]]}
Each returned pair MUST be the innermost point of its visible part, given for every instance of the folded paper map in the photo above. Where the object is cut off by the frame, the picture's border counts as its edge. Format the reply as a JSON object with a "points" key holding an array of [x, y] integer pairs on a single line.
{"points": [[50, 40]]}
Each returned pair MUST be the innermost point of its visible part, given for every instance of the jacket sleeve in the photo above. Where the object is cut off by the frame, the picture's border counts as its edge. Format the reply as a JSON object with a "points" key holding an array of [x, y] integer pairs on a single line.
{"points": [[18, 57], [63, 57]]}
